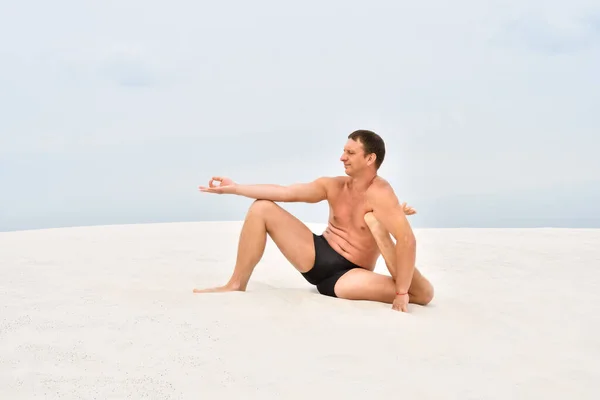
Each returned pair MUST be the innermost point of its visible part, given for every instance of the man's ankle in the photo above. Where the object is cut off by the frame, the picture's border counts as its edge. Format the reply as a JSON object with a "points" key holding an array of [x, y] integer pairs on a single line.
{"points": [[234, 285]]}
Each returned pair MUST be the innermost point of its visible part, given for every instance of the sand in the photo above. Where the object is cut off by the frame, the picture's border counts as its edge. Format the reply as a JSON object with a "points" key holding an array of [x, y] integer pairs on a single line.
{"points": [[108, 312]]}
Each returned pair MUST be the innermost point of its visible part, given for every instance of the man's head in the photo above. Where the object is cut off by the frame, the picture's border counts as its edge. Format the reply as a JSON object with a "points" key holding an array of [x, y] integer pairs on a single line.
{"points": [[364, 149]]}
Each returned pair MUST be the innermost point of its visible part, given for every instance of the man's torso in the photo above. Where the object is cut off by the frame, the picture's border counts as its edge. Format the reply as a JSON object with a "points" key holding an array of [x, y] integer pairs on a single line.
{"points": [[346, 231]]}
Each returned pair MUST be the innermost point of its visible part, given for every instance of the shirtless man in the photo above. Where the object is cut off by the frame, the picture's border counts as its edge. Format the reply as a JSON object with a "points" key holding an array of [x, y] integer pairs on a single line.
{"points": [[363, 212]]}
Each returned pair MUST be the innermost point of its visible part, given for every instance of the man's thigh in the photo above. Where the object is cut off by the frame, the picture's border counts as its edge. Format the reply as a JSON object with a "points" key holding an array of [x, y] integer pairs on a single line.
{"points": [[361, 284], [293, 238]]}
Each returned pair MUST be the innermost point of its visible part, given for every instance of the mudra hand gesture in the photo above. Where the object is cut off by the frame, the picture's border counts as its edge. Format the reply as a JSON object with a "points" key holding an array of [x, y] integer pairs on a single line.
{"points": [[225, 186]]}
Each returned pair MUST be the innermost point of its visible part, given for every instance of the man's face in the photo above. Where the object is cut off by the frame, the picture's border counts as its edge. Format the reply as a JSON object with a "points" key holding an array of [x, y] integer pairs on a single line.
{"points": [[353, 157]]}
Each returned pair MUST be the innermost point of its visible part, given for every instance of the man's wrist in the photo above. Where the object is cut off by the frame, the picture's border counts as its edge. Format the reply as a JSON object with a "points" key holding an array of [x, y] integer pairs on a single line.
{"points": [[401, 288]]}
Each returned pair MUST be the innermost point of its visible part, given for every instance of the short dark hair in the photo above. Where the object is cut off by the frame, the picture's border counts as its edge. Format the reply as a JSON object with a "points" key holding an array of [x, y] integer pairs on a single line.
{"points": [[372, 143]]}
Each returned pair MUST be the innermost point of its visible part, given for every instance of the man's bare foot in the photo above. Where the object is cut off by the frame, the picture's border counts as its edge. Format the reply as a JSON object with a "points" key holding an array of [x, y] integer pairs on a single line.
{"points": [[220, 289]]}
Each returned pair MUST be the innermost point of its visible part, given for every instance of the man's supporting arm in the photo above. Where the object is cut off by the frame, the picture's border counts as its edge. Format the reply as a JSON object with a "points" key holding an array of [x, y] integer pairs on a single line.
{"points": [[384, 241], [388, 211], [312, 192]]}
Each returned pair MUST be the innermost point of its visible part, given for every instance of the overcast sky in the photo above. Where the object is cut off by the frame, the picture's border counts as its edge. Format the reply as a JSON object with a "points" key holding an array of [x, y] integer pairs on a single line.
{"points": [[115, 111]]}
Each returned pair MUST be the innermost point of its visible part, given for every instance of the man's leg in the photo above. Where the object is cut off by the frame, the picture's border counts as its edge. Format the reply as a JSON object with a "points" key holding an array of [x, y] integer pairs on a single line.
{"points": [[292, 237], [362, 284], [367, 285]]}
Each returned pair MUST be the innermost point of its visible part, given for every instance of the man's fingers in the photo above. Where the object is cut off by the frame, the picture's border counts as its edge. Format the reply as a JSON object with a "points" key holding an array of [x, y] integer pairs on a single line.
{"points": [[216, 179]]}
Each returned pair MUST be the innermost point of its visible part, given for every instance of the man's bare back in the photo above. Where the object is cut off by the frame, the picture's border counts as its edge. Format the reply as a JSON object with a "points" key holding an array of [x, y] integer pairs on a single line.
{"points": [[364, 214]]}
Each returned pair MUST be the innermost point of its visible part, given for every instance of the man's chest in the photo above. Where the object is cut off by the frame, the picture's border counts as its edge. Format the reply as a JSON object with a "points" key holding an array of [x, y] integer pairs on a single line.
{"points": [[348, 210]]}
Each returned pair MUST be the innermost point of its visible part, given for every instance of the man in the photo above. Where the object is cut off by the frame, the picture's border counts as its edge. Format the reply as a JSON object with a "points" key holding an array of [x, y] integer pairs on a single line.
{"points": [[364, 211]]}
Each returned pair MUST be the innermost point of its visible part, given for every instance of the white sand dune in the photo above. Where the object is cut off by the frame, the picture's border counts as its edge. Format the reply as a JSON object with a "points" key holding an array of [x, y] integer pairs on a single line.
{"points": [[108, 312]]}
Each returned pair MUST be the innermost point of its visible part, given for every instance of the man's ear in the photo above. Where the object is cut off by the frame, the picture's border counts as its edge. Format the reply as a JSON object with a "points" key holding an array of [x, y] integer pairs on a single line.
{"points": [[371, 159]]}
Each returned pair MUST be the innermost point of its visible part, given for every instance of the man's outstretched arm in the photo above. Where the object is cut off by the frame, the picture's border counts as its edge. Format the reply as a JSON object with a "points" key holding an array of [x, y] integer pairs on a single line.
{"points": [[390, 213], [311, 192]]}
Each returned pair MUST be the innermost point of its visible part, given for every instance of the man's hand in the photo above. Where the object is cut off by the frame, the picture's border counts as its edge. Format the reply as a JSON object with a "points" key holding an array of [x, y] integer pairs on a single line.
{"points": [[401, 303], [226, 186], [408, 210]]}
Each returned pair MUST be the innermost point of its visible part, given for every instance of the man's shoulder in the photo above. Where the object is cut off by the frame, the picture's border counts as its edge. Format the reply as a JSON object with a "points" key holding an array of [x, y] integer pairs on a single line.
{"points": [[380, 185], [331, 180], [338, 178], [380, 188]]}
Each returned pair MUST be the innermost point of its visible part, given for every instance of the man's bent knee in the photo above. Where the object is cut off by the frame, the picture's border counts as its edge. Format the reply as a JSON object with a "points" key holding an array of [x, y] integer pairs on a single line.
{"points": [[261, 206], [370, 219], [377, 229], [374, 225]]}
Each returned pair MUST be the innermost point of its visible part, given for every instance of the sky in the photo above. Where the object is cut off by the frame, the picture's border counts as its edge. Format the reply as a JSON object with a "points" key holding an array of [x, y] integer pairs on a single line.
{"points": [[115, 112]]}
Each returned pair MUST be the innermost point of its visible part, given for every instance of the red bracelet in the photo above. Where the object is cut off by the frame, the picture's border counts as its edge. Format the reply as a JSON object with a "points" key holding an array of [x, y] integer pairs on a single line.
{"points": [[401, 294]]}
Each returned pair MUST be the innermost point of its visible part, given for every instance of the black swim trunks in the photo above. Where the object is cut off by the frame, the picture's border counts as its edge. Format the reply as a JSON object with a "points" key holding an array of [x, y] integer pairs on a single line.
{"points": [[328, 268]]}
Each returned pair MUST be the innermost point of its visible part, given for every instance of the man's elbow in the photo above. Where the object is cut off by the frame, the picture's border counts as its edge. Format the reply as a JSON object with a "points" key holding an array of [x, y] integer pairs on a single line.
{"points": [[290, 194], [296, 195], [303, 193]]}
